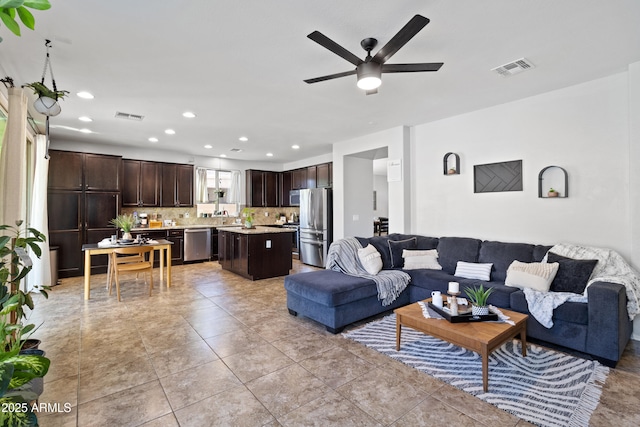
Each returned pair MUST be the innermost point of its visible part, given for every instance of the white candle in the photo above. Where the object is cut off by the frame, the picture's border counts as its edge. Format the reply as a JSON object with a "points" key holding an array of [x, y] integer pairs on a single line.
{"points": [[454, 287]]}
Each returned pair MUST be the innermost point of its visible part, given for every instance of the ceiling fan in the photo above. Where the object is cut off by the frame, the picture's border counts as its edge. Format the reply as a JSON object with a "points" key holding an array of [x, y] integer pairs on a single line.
{"points": [[370, 69]]}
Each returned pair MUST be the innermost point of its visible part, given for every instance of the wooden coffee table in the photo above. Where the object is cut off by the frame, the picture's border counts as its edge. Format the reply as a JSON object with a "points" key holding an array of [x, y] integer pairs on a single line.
{"points": [[481, 337]]}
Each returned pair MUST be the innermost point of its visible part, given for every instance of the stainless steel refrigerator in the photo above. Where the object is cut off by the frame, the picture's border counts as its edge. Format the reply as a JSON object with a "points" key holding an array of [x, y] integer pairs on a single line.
{"points": [[316, 225]]}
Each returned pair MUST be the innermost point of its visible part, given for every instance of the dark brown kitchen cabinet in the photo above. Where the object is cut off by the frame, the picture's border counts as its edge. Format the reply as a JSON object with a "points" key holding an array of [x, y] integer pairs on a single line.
{"points": [[262, 188], [177, 249], [83, 196], [74, 171], [286, 185], [140, 183], [255, 256], [177, 185], [299, 179], [324, 176], [311, 177]]}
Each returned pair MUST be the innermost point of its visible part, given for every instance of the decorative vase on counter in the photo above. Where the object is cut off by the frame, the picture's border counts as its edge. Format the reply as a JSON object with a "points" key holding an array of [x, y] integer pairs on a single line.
{"points": [[127, 236], [248, 224]]}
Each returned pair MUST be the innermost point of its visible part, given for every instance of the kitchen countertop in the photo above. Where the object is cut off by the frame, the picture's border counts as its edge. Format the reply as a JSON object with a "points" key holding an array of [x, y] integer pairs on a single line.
{"points": [[229, 227], [259, 229]]}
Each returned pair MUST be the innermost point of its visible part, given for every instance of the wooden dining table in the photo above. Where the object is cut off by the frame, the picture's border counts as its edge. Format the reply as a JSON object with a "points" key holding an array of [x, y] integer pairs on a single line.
{"points": [[161, 245]]}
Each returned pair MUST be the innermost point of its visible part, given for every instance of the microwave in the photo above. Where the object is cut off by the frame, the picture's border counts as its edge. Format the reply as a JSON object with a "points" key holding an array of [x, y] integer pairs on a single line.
{"points": [[294, 198]]}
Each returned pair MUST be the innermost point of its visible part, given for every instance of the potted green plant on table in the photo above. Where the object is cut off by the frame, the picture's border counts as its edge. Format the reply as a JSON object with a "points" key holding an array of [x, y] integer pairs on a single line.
{"points": [[478, 297], [124, 222], [248, 213]]}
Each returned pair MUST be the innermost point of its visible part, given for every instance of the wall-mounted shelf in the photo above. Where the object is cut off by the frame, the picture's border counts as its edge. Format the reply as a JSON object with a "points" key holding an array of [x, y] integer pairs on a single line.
{"points": [[564, 194], [445, 163]]}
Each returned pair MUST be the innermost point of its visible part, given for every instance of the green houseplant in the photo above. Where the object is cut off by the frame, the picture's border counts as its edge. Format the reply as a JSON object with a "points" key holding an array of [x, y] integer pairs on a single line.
{"points": [[124, 222], [478, 297], [552, 193], [10, 8], [248, 213]]}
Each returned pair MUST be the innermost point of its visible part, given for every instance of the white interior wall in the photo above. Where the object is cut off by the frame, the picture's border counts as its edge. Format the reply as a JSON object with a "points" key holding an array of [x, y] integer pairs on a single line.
{"points": [[581, 128], [381, 187], [358, 208], [397, 143]]}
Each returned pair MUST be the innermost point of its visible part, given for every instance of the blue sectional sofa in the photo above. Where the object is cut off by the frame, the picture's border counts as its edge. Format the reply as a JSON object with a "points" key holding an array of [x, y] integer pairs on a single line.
{"points": [[601, 327]]}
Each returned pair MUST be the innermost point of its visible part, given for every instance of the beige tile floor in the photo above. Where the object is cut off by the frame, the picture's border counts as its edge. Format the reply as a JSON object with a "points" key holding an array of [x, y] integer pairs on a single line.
{"points": [[216, 349]]}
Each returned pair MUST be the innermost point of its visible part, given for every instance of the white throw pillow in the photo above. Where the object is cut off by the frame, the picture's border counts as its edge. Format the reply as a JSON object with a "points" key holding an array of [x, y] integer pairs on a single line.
{"points": [[407, 253], [473, 270], [370, 259], [422, 261], [535, 275]]}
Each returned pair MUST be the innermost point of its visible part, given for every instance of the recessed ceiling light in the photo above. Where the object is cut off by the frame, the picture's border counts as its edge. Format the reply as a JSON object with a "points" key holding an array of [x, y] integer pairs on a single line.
{"points": [[269, 154], [85, 119], [243, 139], [85, 95], [208, 146], [170, 132], [153, 139], [85, 130], [223, 155], [295, 147], [188, 115]]}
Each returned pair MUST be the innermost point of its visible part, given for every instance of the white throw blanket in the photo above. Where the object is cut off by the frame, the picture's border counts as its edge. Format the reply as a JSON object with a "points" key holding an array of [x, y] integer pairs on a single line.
{"points": [[542, 304], [343, 257], [611, 267]]}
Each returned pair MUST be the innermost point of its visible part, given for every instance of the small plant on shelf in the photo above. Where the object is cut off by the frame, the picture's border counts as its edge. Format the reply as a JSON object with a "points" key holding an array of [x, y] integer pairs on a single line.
{"points": [[552, 193]]}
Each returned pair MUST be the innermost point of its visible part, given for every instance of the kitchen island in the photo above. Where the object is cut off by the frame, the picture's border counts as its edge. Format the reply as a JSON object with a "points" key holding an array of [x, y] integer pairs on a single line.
{"points": [[255, 253]]}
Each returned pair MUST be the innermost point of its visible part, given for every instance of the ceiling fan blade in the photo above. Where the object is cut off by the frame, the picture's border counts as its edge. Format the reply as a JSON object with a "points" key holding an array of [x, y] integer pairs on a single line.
{"points": [[411, 68], [330, 76], [407, 32], [371, 92], [334, 47]]}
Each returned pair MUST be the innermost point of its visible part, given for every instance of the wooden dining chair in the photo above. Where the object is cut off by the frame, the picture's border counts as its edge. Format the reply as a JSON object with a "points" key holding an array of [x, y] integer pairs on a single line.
{"points": [[383, 227], [132, 259], [121, 259]]}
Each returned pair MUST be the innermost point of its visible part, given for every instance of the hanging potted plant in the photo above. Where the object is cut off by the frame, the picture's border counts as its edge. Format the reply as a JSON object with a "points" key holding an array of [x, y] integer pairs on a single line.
{"points": [[47, 102], [478, 297], [124, 222]]}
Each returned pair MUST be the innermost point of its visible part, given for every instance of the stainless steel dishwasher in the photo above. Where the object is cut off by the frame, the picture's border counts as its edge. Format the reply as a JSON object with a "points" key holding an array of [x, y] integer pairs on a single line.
{"points": [[197, 244]]}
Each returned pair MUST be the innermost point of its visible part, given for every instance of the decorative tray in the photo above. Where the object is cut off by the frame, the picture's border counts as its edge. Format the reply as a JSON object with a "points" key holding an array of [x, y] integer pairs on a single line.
{"points": [[463, 316]]}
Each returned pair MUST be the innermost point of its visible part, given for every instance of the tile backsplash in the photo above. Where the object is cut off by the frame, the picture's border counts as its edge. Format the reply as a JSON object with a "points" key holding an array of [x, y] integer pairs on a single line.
{"points": [[189, 216]]}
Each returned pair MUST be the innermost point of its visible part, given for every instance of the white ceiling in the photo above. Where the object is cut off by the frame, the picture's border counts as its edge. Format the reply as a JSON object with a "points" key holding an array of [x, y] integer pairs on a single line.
{"points": [[240, 65]]}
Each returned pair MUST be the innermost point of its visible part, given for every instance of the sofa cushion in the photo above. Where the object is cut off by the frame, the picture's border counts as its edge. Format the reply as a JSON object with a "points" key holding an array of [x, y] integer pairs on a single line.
{"points": [[330, 288], [502, 254], [454, 249], [535, 275], [422, 242], [370, 259], [414, 259], [539, 252], [573, 274], [574, 312], [474, 270], [396, 247]]}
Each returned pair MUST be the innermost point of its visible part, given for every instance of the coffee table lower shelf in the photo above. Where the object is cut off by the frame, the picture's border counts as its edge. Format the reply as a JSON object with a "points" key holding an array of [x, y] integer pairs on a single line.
{"points": [[481, 337]]}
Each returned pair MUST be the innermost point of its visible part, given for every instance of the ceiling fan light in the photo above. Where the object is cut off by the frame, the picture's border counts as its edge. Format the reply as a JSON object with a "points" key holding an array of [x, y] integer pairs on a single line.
{"points": [[369, 75]]}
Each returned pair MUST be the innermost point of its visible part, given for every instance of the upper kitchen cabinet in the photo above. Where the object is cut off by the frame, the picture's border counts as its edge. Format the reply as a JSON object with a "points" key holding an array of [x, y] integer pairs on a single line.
{"points": [[262, 188], [286, 185], [299, 179], [177, 185], [324, 175], [83, 171], [140, 183], [311, 177]]}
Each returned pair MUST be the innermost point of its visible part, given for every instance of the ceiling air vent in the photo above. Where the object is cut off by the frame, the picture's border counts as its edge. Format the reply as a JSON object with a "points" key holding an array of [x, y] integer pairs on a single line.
{"points": [[236, 150], [514, 67], [137, 117]]}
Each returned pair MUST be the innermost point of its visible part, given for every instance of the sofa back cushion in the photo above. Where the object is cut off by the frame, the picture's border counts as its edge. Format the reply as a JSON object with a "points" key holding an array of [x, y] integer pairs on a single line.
{"points": [[502, 255], [539, 252], [454, 249], [422, 242], [381, 243]]}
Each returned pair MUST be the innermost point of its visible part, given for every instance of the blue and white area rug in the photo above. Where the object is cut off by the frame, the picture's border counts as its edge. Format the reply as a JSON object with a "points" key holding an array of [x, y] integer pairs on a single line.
{"points": [[546, 388]]}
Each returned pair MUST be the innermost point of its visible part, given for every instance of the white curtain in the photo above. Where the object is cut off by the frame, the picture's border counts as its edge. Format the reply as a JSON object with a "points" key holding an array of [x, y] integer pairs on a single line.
{"points": [[13, 160], [233, 196], [41, 273], [202, 196]]}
